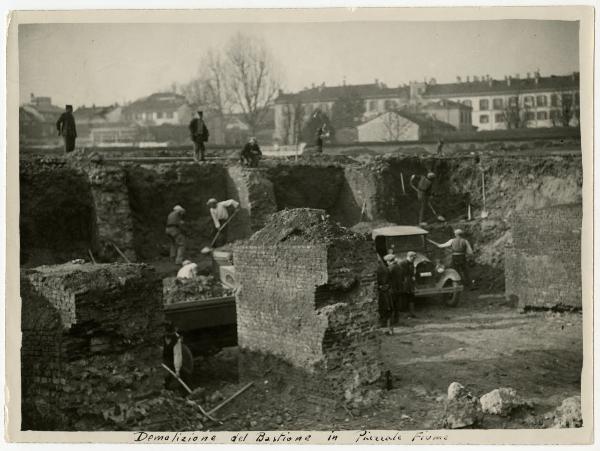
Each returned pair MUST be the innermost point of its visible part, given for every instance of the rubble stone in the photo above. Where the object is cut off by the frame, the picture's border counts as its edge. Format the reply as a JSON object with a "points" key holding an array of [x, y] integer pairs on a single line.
{"points": [[462, 413], [457, 390], [501, 401], [568, 415]]}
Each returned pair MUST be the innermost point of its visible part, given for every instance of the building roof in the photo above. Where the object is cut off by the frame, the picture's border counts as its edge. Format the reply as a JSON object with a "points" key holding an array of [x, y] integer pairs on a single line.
{"points": [[421, 119], [159, 101], [43, 112], [399, 231], [93, 112], [446, 104], [331, 93], [514, 85]]}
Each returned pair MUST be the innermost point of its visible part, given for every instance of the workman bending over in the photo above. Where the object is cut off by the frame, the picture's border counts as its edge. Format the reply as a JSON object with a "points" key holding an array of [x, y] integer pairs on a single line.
{"points": [[219, 212], [251, 153], [461, 248], [174, 231], [423, 189], [188, 270]]}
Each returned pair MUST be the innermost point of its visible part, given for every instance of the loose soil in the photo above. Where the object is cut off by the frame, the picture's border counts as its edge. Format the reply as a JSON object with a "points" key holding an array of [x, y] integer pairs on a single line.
{"points": [[484, 344]]}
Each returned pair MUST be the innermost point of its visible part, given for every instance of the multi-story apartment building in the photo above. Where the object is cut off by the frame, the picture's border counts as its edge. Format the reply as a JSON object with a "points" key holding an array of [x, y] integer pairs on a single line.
{"points": [[532, 101]]}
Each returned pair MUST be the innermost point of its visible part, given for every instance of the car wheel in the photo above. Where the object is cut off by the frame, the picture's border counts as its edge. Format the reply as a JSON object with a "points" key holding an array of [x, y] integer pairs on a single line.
{"points": [[451, 299]]}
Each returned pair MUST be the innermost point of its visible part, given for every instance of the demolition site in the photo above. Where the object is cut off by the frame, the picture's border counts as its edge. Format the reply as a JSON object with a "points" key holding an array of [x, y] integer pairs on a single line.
{"points": [[209, 296]]}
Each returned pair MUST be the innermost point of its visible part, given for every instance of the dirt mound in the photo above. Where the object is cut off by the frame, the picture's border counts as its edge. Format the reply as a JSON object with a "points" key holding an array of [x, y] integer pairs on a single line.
{"points": [[301, 226]]}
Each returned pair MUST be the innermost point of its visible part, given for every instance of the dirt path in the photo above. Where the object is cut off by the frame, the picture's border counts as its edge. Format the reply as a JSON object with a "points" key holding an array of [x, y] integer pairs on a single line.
{"points": [[483, 344]]}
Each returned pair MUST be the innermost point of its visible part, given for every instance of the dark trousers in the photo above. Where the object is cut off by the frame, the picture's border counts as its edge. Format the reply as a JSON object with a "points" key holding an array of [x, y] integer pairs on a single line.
{"points": [[177, 248], [319, 145], [69, 143], [199, 150], [222, 238], [459, 263], [423, 202], [406, 299]]}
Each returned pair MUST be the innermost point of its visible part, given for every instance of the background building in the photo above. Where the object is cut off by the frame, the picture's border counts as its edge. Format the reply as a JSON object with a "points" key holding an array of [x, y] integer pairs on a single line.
{"points": [[515, 102], [158, 109], [401, 126]]}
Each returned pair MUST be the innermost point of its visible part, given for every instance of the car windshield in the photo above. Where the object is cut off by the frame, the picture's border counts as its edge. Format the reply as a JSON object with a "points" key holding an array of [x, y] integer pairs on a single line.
{"points": [[400, 244]]}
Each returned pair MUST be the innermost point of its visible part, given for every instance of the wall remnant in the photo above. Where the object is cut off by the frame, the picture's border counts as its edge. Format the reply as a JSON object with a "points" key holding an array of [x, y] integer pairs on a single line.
{"points": [[308, 301], [91, 344], [543, 265]]}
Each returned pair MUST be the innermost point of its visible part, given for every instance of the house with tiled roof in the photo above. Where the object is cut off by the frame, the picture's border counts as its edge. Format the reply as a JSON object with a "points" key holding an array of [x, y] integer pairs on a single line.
{"points": [[377, 97], [158, 109], [37, 120], [402, 125], [454, 113], [534, 100]]}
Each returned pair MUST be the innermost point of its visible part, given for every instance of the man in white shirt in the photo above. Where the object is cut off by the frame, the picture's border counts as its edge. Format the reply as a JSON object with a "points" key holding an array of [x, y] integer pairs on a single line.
{"points": [[219, 212], [188, 270], [461, 248]]}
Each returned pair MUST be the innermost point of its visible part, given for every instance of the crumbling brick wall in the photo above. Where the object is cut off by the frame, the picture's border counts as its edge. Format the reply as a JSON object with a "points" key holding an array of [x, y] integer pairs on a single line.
{"points": [[308, 298], [543, 265], [254, 192], [114, 221], [91, 344]]}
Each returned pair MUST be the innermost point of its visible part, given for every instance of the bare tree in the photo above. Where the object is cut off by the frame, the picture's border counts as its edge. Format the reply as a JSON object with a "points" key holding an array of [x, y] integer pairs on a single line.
{"points": [[252, 78], [516, 112], [391, 123]]}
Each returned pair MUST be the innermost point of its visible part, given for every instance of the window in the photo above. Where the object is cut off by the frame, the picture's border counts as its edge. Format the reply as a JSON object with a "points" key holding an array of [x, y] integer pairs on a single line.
{"points": [[389, 105], [159, 115], [529, 116], [169, 115], [498, 104], [542, 115], [555, 114], [148, 115], [528, 101], [467, 102], [484, 104], [513, 101], [554, 100], [373, 105], [567, 99], [541, 101], [499, 118], [484, 119]]}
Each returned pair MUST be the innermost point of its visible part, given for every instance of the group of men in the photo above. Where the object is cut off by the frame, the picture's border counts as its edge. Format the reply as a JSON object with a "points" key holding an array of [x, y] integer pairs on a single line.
{"points": [[220, 213]]}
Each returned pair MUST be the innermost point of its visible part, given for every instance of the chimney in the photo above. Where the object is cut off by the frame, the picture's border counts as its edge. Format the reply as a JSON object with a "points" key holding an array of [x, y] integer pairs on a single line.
{"points": [[468, 79], [508, 80], [344, 81], [537, 77], [458, 80], [312, 85], [574, 75], [32, 95], [490, 81], [376, 82]]}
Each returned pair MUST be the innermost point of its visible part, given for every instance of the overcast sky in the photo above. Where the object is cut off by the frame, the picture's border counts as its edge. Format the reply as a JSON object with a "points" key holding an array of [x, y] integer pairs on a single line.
{"points": [[106, 63]]}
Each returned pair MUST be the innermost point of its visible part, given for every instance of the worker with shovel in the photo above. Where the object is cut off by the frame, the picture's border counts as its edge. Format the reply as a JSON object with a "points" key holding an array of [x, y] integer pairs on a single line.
{"points": [[423, 189], [219, 211], [461, 248], [174, 231]]}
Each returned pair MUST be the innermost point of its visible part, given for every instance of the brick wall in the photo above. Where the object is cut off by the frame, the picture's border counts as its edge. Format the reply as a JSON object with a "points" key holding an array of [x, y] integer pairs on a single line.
{"points": [[254, 192], [114, 222], [543, 265], [313, 308], [91, 340]]}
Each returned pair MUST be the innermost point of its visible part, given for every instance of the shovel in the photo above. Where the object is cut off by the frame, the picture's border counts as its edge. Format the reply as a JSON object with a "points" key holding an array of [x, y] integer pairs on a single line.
{"points": [[484, 212], [209, 249], [439, 217]]}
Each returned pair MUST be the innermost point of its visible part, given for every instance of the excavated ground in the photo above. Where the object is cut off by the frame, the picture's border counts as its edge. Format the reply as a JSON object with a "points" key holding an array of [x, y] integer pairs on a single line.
{"points": [[484, 344]]}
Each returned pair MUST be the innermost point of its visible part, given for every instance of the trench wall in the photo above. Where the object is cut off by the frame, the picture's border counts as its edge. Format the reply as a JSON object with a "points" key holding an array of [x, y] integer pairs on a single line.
{"points": [[87, 350], [543, 266]]}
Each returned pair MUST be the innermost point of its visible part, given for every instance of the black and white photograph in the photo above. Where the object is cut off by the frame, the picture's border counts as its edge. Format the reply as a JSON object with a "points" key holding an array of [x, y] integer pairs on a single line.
{"points": [[274, 224]]}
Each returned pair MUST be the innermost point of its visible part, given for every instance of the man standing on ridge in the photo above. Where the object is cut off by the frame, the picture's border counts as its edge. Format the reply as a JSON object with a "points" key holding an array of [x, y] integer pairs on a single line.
{"points": [[66, 128], [199, 134]]}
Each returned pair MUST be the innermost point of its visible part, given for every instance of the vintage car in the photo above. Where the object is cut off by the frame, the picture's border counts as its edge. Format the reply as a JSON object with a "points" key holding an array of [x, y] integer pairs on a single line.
{"points": [[432, 278]]}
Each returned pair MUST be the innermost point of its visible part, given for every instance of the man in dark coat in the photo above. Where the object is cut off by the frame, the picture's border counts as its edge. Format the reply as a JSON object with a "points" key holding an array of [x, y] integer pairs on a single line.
{"points": [[321, 133], [251, 153], [386, 304], [403, 282], [423, 188], [199, 135], [66, 128]]}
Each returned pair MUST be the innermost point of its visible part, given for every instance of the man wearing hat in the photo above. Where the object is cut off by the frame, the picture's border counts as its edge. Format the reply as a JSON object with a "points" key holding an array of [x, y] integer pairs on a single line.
{"points": [[66, 128], [251, 153], [461, 248], [403, 283], [199, 135], [220, 214], [174, 231], [423, 189]]}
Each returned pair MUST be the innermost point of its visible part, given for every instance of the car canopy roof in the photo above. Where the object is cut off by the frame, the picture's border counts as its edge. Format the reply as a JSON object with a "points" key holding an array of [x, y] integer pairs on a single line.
{"points": [[399, 231]]}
